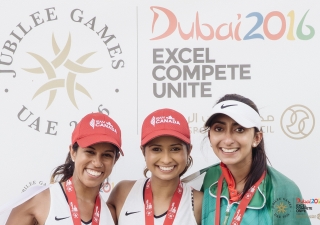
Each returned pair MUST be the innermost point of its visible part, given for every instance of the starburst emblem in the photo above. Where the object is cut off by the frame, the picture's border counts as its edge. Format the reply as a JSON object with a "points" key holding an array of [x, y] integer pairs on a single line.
{"points": [[281, 208], [49, 68]]}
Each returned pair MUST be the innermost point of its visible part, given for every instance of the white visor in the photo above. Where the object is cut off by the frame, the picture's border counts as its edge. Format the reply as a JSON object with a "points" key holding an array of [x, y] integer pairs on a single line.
{"points": [[240, 112]]}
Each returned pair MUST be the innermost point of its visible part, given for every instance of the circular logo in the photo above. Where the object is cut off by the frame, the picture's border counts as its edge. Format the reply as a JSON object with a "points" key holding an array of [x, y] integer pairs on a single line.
{"points": [[281, 207], [297, 121], [65, 68], [318, 216]]}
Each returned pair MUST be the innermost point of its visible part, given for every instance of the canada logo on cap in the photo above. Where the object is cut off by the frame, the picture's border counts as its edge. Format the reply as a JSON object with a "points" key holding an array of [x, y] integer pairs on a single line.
{"points": [[95, 128], [165, 122], [164, 119], [102, 123]]}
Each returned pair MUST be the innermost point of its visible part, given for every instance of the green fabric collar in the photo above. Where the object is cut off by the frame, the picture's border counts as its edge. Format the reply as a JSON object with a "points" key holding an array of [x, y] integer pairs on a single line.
{"points": [[258, 201]]}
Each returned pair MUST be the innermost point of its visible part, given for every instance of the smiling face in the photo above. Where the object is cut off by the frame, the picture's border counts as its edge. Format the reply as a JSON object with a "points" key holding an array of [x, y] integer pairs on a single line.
{"points": [[166, 157], [231, 142], [93, 164]]}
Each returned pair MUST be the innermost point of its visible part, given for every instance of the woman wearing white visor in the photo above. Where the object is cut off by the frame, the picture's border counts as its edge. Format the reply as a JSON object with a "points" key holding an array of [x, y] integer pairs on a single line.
{"points": [[243, 189], [74, 198]]}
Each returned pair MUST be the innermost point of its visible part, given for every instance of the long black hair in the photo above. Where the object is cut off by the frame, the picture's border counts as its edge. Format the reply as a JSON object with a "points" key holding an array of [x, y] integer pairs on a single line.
{"points": [[63, 172], [259, 157]]}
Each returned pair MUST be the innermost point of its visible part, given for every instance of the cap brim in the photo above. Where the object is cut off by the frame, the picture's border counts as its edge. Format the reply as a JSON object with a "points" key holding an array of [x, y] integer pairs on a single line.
{"points": [[238, 118], [159, 133], [94, 139], [239, 112]]}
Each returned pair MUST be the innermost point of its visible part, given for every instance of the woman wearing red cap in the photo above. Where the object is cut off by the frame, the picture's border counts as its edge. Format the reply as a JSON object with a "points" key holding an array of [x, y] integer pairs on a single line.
{"points": [[162, 199], [75, 199], [242, 189]]}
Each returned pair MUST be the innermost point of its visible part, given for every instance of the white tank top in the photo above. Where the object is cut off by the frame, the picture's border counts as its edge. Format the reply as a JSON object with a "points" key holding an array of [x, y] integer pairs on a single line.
{"points": [[59, 213], [132, 211]]}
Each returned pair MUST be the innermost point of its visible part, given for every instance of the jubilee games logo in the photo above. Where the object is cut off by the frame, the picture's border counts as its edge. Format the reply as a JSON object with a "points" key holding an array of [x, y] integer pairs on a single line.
{"points": [[56, 49]]}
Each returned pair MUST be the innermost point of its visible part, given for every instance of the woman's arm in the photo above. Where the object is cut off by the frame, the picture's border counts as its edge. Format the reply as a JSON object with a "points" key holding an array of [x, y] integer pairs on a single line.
{"points": [[32, 211], [118, 197]]}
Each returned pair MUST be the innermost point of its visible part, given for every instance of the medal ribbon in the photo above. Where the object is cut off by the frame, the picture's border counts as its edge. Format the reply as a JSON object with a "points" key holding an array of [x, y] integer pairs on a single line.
{"points": [[173, 208], [73, 204], [237, 218]]}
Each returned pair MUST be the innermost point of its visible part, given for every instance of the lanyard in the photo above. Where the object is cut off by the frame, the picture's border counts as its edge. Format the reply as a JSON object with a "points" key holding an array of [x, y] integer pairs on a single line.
{"points": [[243, 203], [173, 208], [73, 203]]}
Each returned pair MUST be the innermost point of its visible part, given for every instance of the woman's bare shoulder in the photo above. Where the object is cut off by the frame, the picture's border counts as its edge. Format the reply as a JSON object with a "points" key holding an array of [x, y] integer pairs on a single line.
{"points": [[121, 190], [36, 208], [119, 194]]}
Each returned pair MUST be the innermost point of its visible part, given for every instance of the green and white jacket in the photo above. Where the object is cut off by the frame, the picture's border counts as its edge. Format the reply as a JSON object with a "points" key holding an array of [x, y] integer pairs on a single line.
{"points": [[274, 203]]}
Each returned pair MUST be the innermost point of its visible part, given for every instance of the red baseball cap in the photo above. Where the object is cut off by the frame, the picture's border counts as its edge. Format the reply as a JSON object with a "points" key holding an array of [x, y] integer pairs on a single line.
{"points": [[95, 128], [165, 122]]}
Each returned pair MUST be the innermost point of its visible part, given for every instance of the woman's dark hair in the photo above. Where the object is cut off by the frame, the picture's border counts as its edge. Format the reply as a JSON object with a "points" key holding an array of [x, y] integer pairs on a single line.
{"points": [[259, 157], [63, 172], [189, 162]]}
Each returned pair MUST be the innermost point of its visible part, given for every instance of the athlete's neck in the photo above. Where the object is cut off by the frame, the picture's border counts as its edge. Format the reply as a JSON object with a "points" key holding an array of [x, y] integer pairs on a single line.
{"points": [[240, 172], [163, 188], [162, 192], [84, 193]]}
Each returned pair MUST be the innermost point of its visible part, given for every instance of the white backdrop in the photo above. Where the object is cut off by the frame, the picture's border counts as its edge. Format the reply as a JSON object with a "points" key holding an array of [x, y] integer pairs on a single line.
{"points": [[148, 55]]}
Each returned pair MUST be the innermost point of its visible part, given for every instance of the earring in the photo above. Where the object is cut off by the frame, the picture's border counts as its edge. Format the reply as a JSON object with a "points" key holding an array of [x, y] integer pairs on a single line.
{"points": [[105, 186], [254, 145]]}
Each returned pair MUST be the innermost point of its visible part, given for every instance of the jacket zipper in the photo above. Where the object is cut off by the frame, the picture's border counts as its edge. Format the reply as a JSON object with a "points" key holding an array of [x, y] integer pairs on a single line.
{"points": [[226, 217]]}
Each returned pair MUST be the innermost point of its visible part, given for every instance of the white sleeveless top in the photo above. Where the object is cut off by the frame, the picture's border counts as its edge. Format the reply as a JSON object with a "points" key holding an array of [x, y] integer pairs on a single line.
{"points": [[133, 212], [59, 213]]}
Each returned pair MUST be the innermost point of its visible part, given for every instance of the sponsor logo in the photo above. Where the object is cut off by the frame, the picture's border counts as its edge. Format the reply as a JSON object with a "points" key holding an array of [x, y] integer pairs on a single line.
{"points": [[163, 119], [308, 201], [101, 123], [302, 208], [129, 213], [165, 23], [309, 216], [297, 122], [62, 218], [281, 207], [225, 106], [189, 72], [49, 69], [56, 70]]}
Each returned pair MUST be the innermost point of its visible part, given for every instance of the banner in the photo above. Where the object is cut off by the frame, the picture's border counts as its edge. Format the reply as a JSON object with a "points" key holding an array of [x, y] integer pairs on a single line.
{"points": [[62, 60]]}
